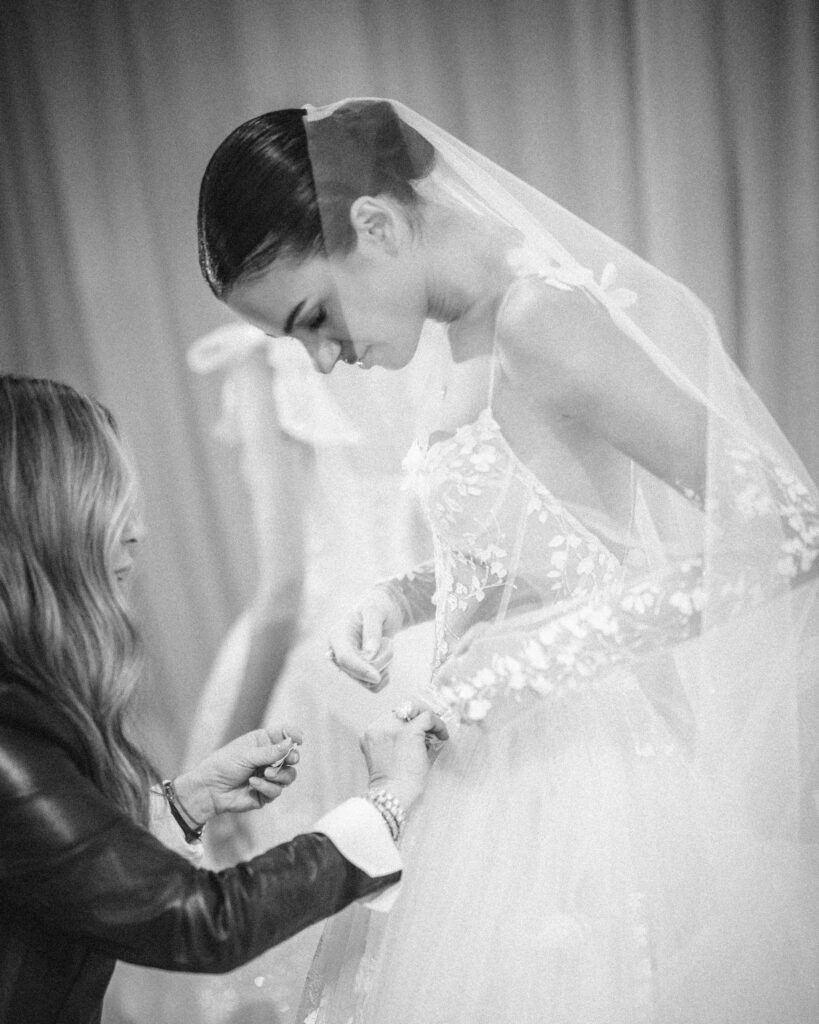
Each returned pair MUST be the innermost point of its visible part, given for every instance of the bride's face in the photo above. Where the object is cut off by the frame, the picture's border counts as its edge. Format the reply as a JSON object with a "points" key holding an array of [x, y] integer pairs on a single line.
{"points": [[367, 307]]}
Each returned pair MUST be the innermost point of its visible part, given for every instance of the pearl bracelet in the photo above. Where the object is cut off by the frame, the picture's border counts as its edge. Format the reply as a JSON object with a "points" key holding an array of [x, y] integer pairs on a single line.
{"points": [[390, 809]]}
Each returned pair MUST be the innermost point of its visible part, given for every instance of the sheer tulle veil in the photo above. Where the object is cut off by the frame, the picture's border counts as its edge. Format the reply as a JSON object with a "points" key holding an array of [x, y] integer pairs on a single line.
{"points": [[713, 611]]}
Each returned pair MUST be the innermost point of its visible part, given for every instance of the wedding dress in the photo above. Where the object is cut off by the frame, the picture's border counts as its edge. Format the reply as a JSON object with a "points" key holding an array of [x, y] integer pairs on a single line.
{"points": [[619, 830]]}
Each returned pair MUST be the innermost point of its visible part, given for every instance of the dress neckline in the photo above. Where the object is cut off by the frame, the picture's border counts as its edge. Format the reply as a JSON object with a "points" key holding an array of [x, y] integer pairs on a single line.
{"points": [[487, 419]]}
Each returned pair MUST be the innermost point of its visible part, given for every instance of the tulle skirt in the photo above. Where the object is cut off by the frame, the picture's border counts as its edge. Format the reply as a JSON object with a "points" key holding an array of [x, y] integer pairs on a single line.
{"points": [[567, 865]]}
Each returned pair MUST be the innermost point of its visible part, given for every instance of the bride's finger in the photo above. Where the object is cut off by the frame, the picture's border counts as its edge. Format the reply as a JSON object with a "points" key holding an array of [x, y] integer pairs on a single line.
{"points": [[350, 660], [358, 668], [372, 629]]}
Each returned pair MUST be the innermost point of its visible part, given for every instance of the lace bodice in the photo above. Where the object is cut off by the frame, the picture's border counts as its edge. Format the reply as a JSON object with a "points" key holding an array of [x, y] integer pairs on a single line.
{"points": [[502, 541]]}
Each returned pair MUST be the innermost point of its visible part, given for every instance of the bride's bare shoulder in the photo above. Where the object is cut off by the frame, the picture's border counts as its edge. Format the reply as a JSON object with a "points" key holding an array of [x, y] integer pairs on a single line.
{"points": [[551, 335]]}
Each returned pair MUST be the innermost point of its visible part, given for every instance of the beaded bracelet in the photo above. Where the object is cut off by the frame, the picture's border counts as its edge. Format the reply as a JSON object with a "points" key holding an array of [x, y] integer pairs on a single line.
{"points": [[191, 829], [390, 809]]}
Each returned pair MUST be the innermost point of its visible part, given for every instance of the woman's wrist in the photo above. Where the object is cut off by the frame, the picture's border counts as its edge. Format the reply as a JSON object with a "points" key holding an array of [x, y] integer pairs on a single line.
{"points": [[194, 799], [398, 614], [391, 809], [405, 794]]}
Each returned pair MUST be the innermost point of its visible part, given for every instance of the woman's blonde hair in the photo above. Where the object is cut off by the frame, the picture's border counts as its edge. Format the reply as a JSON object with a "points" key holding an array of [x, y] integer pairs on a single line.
{"points": [[67, 493]]}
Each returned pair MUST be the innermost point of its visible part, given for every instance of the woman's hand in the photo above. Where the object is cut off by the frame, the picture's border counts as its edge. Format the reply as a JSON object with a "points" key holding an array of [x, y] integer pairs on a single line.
{"points": [[361, 644], [399, 751], [241, 776]]}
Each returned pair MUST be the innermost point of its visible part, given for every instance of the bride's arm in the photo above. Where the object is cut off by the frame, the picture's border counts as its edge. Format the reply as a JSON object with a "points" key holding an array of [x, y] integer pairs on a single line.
{"points": [[413, 593], [557, 650]]}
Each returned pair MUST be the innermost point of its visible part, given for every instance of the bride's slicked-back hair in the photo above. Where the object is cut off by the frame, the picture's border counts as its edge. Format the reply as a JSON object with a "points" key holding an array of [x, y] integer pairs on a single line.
{"points": [[267, 194], [66, 493]]}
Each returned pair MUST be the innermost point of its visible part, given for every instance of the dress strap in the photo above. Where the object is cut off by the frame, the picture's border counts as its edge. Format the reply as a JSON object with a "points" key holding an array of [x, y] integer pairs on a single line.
{"points": [[493, 365]]}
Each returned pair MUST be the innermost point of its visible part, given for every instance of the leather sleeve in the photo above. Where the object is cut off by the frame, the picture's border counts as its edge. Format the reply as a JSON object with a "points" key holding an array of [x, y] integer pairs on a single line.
{"points": [[71, 859]]}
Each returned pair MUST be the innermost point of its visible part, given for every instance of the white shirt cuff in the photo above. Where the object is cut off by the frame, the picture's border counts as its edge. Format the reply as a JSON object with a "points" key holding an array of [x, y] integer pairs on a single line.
{"points": [[360, 834]]}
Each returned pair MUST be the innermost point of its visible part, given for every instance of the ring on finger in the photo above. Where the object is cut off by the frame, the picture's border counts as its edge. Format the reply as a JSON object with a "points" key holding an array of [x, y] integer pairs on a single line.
{"points": [[404, 711]]}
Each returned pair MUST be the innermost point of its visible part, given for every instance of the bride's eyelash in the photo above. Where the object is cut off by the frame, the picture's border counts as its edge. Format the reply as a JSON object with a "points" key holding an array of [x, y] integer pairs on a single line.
{"points": [[317, 319]]}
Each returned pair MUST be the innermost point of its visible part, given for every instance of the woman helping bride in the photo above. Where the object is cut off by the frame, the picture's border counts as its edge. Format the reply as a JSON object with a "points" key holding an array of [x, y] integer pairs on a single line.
{"points": [[624, 590]]}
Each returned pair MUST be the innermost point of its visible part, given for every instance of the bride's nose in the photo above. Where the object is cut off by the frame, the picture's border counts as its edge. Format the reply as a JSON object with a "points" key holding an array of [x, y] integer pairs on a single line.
{"points": [[324, 354]]}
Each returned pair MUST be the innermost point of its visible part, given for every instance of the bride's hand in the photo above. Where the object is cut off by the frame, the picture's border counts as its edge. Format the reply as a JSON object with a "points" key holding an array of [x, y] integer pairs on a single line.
{"points": [[361, 644]]}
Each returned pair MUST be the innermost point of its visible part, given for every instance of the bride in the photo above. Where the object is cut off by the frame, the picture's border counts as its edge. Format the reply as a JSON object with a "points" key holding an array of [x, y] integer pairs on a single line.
{"points": [[624, 592]]}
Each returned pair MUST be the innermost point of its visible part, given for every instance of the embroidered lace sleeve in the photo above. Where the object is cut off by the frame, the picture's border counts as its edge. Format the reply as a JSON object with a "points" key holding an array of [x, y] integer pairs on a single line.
{"points": [[413, 593], [760, 533]]}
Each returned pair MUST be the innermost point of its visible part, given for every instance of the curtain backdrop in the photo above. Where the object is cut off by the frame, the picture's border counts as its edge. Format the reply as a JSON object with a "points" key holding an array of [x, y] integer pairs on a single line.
{"points": [[685, 128]]}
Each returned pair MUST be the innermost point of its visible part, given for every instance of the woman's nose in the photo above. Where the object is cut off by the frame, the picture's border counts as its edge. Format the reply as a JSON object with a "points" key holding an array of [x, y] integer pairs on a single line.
{"points": [[325, 354]]}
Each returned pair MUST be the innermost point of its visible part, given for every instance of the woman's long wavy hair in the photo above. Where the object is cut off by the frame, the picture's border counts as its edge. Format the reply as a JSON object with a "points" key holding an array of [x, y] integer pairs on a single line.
{"points": [[67, 493]]}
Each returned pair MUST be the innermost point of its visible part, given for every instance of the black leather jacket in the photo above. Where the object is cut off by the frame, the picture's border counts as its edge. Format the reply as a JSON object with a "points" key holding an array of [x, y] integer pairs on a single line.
{"points": [[81, 885]]}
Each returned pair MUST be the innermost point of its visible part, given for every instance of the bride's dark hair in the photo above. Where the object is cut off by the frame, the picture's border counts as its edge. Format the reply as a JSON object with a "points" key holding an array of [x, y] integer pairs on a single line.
{"points": [[265, 194]]}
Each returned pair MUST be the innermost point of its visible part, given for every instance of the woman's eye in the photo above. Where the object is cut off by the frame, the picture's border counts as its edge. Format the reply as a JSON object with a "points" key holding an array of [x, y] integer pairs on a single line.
{"points": [[317, 319]]}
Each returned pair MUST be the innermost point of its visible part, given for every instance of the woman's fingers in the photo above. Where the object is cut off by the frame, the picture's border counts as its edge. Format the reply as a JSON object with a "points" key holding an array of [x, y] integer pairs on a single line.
{"points": [[264, 791], [417, 719], [282, 733], [281, 776], [274, 754], [345, 651], [349, 661], [432, 724], [268, 788], [360, 647]]}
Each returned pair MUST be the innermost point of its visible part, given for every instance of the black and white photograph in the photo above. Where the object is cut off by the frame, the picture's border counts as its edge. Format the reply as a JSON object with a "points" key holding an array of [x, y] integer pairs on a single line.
{"points": [[409, 512]]}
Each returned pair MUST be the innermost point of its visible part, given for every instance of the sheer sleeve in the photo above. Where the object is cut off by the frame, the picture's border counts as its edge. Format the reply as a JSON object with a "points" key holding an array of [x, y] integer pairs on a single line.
{"points": [[759, 530], [413, 593]]}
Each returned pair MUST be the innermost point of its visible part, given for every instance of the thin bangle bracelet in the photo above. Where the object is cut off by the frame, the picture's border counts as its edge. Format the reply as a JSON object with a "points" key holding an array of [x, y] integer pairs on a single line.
{"points": [[191, 828]]}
